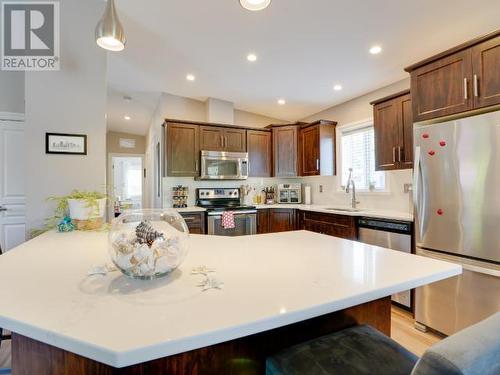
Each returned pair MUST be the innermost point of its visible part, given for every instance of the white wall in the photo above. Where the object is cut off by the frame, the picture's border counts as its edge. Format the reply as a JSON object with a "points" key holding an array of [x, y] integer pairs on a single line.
{"points": [[219, 111], [353, 111], [72, 100], [11, 91]]}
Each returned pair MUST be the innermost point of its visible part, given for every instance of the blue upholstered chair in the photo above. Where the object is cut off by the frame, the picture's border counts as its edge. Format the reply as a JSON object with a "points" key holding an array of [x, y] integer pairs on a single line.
{"points": [[364, 350]]}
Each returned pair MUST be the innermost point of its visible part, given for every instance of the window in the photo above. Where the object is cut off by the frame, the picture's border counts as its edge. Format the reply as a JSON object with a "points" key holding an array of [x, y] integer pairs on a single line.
{"points": [[358, 153]]}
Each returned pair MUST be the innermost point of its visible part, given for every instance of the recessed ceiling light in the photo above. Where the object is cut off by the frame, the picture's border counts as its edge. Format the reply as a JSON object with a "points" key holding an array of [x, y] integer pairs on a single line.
{"points": [[375, 50], [255, 4], [337, 87], [127, 118], [190, 77], [281, 101], [252, 57]]}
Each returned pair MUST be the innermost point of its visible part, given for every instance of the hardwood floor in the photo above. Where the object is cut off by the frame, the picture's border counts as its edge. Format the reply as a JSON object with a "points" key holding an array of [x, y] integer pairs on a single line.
{"points": [[405, 334], [401, 327]]}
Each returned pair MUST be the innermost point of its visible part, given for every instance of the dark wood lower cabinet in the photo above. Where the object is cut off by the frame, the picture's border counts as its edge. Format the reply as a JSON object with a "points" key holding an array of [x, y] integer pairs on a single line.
{"points": [[243, 356], [195, 222], [342, 226], [281, 220], [263, 221]]}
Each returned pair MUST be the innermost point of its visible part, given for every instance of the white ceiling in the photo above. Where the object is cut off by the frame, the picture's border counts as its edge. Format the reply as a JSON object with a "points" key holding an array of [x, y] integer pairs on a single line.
{"points": [[304, 47]]}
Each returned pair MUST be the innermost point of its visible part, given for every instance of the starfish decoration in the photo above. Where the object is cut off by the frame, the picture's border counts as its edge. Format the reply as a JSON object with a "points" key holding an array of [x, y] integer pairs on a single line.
{"points": [[102, 270], [210, 283], [202, 270]]}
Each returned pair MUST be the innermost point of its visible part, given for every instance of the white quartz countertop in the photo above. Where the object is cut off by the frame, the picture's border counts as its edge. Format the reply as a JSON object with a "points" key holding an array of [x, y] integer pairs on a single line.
{"points": [[376, 213], [270, 280]]}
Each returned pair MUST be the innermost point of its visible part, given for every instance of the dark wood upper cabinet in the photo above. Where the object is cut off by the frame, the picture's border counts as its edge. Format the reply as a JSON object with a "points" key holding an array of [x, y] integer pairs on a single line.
{"points": [[386, 128], [183, 149], [443, 87], [486, 73], [285, 151], [216, 138], [458, 80], [406, 150], [211, 138], [235, 140], [393, 127], [317, 149], [260, 148]]}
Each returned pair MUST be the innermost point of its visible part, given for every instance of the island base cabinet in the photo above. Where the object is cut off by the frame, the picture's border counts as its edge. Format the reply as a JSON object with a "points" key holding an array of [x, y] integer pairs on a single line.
{"points": [[34, 357]]}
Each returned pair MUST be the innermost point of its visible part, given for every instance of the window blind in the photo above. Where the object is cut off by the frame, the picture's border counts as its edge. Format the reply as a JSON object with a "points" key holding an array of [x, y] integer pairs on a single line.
{"points": [[358, 153]]}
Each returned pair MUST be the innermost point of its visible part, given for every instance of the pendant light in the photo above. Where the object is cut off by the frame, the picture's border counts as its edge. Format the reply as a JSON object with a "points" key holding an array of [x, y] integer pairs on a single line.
{"points": [[109, 33], [255, 5]]}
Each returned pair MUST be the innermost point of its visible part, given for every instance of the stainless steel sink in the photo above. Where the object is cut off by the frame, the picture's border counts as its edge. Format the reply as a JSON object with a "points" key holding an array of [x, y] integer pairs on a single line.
{"points": [[343, 209]]}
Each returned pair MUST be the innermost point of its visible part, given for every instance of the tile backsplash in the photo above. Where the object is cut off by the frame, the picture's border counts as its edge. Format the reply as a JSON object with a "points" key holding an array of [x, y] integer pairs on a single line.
{"points": [[395, 199]]}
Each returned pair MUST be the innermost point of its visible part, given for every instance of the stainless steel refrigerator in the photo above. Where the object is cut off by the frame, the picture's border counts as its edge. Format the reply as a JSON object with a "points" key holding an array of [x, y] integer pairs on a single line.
{"points": [[457, 218]]}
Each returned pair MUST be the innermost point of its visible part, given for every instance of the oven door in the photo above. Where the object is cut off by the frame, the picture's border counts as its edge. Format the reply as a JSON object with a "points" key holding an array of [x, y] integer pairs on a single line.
{"points": [[224, 165], [245, 224]]}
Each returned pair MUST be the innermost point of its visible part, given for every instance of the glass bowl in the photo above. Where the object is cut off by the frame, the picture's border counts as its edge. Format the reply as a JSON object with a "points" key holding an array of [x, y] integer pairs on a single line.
{"points": [[148, 244]]}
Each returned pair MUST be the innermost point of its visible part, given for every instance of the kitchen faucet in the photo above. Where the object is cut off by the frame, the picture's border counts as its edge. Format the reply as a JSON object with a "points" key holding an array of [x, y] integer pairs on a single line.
{"points": [[350, 182]]}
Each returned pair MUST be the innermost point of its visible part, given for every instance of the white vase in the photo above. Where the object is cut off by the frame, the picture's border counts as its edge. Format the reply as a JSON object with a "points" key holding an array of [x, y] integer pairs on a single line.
{"points": [[79, 209]]}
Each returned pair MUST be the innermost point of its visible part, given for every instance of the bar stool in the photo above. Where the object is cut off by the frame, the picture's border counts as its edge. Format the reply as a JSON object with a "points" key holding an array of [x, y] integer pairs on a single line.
{"points": [[3, 371], [364, 350]]}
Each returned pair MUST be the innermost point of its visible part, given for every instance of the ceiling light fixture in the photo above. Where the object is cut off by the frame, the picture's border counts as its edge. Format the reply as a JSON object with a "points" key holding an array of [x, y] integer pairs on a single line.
{"points": [[337, 87], [375, 50], [127, 118], [281, 101], [190, 77], [252, 57], [109, 33], [255, 5]]}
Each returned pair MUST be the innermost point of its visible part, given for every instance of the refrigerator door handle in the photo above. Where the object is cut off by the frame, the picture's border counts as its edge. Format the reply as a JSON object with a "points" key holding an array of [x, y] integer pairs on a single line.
{"points": [[469, 265], [417, 199]]}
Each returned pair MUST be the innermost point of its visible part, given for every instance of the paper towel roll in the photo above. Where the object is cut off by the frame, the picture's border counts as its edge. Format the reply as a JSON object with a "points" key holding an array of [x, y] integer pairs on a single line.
{"points": [[307, 195]]}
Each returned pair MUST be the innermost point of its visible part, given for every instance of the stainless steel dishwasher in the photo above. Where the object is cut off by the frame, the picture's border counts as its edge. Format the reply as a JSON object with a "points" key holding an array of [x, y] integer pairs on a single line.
{"points": [[391, 234]]}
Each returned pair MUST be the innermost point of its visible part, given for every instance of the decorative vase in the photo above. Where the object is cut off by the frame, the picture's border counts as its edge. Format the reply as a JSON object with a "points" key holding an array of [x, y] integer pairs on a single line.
{"points": [[148, 244], [80, 209]]}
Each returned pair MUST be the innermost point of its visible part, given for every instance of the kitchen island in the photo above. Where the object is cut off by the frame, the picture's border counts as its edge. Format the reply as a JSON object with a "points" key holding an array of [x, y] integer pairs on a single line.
{"points": [[279, 289]]}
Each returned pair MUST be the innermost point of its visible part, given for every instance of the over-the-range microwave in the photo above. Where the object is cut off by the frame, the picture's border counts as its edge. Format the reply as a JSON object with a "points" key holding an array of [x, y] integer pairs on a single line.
{"points": [[220, 165]]}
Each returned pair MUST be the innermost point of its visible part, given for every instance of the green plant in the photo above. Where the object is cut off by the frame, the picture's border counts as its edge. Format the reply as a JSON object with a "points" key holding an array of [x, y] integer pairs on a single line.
{"points": [[90, 197], [62, 209]]}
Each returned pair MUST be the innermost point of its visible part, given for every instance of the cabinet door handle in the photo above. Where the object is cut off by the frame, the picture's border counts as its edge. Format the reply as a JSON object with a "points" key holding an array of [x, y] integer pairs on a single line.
{"points": [[393, 155], [317, 165], [466, 94], [196, 165], [222, 141], [225, 142], [476, 89], [400, 152]]}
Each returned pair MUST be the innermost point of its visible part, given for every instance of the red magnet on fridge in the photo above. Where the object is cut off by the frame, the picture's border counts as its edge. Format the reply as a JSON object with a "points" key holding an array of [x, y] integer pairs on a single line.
{"points": [[425, 135], [431, 152], [440, 212], [442, 143]]}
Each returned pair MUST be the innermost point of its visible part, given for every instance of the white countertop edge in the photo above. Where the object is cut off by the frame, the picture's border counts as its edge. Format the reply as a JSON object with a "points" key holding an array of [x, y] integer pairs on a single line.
{"points": [[155, 351]]}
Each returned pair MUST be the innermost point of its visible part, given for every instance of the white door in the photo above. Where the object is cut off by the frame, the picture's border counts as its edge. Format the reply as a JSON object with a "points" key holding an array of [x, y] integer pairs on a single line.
{"points": [[127, 180], [12, 173]]}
